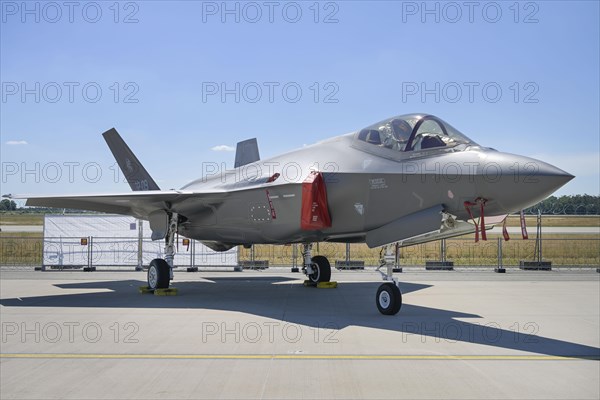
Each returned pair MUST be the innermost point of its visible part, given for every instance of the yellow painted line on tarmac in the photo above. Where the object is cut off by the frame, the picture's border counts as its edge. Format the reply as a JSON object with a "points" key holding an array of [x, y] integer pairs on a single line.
{"points": [[293, 357]]}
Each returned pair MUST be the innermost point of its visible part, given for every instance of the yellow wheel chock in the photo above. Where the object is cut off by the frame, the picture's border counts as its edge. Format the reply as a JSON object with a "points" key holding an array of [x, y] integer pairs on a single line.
{"points": [[321, 285]]}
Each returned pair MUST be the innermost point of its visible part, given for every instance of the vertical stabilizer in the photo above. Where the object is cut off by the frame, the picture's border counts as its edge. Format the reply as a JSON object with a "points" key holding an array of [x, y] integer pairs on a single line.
{"points": [[246, 152], [135, 173]]}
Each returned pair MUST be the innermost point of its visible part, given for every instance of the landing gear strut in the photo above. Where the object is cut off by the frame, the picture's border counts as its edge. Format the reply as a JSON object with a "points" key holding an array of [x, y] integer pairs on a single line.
{"points": [[316, 268], [388, 298], [160, 272]]}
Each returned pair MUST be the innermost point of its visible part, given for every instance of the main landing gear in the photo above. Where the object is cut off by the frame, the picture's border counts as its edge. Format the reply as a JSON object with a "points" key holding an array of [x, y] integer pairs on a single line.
{"points": [[160, 272], [388, 298], [316, 268]]}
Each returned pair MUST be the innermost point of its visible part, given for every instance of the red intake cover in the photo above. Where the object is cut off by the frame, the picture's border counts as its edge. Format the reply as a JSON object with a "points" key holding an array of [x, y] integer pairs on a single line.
{"points": [[315, 213]]}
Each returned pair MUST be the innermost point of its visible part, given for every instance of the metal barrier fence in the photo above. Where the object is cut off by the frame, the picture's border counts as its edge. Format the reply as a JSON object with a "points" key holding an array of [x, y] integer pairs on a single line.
{"points": [[94, 251], [125, 253], [575, 252]]}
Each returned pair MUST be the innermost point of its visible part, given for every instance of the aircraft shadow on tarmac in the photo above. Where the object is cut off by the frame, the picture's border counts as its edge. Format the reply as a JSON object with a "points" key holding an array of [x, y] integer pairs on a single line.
{"points": [[351, 304]]}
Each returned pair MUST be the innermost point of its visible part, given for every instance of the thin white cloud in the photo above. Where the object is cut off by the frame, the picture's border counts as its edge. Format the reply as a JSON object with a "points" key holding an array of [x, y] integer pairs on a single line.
{"points": [[222, 147], [16, 142]]}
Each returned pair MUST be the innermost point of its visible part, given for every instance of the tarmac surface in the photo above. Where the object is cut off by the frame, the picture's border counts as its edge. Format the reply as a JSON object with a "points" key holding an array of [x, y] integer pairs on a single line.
{"points": [[254, 334]]}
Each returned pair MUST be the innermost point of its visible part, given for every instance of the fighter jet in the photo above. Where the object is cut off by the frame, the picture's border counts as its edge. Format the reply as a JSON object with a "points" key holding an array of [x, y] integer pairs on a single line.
{"points": [[408, 179]]}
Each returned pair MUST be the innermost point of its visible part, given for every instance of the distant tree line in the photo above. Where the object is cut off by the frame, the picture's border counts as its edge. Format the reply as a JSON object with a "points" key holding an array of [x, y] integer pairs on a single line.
{"points": [[8, 205], [567, 205]]}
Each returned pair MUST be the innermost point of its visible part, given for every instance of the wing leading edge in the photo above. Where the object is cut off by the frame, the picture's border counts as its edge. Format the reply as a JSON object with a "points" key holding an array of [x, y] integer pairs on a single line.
{"points": [[138, 204]]}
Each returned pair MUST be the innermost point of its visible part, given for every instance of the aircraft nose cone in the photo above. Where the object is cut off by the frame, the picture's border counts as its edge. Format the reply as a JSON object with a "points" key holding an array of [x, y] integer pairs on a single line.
{"points": [[520, 182], [551, 177]]}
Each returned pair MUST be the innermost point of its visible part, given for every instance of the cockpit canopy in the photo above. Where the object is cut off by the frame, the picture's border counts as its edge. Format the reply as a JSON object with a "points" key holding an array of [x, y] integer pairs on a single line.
{"points": [[413, 132]]}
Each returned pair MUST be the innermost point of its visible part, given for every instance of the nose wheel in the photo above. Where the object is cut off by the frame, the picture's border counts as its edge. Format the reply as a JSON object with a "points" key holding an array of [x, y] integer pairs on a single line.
{"points": [[388, 299]]}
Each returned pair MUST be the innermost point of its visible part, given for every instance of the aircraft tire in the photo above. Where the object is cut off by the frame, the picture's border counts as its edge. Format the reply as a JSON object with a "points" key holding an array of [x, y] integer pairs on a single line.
{"points": [[388, 299], [323, 269], [158, 274]]}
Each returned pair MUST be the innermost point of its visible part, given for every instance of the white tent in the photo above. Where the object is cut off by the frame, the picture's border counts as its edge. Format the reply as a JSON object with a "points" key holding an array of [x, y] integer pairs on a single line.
{"points": [[115, 240]]}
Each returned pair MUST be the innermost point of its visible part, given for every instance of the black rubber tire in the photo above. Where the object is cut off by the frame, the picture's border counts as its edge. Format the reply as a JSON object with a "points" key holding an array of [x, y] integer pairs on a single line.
{"points": [[159, 274], [388, 299], [323, 273]]}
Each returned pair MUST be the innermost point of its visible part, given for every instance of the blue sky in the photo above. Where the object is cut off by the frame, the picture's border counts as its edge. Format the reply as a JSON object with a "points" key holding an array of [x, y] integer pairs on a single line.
{"points": [[521, 77]]}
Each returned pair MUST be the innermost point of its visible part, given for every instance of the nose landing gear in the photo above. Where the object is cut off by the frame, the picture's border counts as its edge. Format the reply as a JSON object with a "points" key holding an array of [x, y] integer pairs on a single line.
{"points": [[389, 297]]}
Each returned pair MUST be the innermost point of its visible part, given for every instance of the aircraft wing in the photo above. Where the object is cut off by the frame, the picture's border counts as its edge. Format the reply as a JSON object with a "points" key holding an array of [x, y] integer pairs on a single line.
{"points": [[145, 198], [138, 204]]}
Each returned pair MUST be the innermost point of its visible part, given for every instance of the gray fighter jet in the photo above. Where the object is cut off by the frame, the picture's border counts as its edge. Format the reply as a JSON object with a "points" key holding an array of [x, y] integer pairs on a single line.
{"points": [[408, 179]]}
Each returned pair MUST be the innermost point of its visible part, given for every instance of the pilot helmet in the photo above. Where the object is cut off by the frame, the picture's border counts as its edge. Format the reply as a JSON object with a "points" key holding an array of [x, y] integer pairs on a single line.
{"points": [[401, 128]]}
